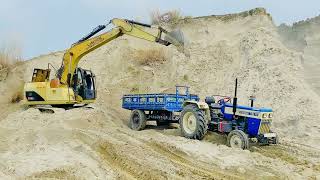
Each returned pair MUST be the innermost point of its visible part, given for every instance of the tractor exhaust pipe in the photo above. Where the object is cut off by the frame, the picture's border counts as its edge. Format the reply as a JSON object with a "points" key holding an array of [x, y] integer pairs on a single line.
{"points": [[252, 99], [235, 99]]}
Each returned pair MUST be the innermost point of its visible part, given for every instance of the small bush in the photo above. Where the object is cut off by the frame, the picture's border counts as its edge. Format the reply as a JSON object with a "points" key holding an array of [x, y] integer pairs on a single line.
{"points": [[17, 97], [8, 60], [15, 86], [3, 62], [185, 77], [135, 89], [170, 17], [9, 57], [150, 56], [4, 66]]}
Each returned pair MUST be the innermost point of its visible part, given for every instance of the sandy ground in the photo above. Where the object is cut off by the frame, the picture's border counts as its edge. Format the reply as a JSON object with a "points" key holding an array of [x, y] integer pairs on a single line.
{"points": [[96, 143]]}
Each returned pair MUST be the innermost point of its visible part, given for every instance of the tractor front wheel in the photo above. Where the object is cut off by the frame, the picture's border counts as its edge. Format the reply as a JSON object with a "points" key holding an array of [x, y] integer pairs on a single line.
{"points": [[238, 139], [276, 140], [192, 122], [137, 120]]}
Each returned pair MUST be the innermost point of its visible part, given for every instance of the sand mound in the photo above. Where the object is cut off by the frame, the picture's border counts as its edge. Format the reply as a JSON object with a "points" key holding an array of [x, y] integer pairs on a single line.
{"points": [[304, 37], [96, 142]]}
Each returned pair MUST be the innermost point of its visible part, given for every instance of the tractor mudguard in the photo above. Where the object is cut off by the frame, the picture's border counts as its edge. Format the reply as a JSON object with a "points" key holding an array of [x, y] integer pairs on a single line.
{"points": [[201, 105]]}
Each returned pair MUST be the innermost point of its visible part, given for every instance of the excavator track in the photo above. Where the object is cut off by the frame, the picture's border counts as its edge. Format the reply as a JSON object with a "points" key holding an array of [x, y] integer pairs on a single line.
{"points": [[52, 109]]}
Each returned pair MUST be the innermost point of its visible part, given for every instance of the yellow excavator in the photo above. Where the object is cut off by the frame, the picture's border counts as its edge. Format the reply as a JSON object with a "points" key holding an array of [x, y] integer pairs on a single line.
{"points": [[74, 85]]}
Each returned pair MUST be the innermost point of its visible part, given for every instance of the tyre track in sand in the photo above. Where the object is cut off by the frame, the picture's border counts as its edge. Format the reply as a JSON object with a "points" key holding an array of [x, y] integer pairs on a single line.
{"points": [[301, 157], [190, 168], [127, 169], [60, 173], [115, 156]]}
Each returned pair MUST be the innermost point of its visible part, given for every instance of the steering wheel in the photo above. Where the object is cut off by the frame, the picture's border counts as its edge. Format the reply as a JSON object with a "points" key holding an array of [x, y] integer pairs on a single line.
{"points": [[224, 100], [227, 99]]}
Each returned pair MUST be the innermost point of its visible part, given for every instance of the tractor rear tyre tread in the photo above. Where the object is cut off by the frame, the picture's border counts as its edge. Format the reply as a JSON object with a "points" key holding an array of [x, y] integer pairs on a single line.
{"points": [[138, 120], [201, 125]]}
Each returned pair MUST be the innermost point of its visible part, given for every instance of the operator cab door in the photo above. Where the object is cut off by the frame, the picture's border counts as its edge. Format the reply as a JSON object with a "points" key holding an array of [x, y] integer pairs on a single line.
{"points": [[84, 84]]}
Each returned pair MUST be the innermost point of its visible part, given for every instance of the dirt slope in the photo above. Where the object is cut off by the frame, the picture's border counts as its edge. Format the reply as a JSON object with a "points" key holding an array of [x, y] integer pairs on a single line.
{"points": [[95, 143], [304, 37]]}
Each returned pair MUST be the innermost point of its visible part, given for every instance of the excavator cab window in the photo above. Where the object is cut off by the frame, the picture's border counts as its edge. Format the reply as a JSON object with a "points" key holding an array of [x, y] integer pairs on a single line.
{"points": [[83, 84], [89, 90]]}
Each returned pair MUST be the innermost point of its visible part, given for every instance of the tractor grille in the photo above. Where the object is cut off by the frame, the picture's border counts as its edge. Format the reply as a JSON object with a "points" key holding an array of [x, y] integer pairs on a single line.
{"points": [[265, 126]]}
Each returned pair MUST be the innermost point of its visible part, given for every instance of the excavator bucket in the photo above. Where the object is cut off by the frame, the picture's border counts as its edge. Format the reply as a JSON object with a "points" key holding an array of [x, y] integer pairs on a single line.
{"points": [[176, 38]]}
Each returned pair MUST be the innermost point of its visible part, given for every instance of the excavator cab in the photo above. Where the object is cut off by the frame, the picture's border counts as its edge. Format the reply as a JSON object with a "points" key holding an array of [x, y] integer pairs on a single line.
{"points": [[84, 84]]}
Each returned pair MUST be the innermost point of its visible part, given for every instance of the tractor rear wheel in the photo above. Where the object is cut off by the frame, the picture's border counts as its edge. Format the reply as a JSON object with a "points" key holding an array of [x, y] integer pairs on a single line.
{"points": [[238, 139], [137, 120], [192, 122]]}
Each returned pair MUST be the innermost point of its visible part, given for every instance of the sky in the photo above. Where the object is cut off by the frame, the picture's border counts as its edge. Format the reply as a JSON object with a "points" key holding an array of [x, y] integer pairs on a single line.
{"points": [[38, 27]]}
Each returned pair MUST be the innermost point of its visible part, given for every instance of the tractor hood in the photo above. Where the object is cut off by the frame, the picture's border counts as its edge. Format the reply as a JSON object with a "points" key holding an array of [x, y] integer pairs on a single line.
{"points": [[250, 108]]}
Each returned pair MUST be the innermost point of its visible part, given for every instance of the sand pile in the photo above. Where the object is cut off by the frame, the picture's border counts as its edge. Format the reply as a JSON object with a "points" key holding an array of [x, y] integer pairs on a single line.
{"points": [[96, 142], [304, 37]]}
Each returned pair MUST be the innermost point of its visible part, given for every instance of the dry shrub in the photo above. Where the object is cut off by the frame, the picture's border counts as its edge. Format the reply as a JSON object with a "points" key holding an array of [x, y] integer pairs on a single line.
{"points": [[170, 17], [15, 89], [3, 62], [150, 56], [17, 97], [10, 57], [135, 89], [4, 66]]}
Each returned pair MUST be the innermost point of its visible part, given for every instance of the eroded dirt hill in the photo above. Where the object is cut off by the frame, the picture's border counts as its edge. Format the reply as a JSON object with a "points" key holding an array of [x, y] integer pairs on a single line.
{"points": [[304, 37]]}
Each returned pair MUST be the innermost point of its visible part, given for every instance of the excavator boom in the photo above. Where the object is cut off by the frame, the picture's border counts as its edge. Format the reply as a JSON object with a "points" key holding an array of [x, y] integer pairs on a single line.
{"points": [[74, 85], [87, 44]]}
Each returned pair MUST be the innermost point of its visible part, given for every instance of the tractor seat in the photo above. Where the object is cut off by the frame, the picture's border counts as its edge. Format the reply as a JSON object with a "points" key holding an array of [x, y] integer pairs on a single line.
{"points": [[210, 100]]}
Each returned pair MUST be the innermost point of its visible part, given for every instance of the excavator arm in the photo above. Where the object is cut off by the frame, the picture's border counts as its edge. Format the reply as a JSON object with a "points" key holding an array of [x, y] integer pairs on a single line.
{"points": [[89, 43]]}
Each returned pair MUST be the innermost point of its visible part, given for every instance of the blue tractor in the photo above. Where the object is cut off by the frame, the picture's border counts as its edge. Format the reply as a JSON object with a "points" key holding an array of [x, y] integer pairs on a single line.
{"points": [[242, 124]]}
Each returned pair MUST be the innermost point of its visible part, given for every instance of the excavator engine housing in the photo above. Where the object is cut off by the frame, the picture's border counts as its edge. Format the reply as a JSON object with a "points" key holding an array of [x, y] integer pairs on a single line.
{"points": [[45, 92]]}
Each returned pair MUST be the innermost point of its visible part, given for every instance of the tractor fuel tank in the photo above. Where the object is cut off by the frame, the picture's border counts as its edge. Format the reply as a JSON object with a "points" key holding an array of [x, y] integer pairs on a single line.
{"points": [[225, 126]]}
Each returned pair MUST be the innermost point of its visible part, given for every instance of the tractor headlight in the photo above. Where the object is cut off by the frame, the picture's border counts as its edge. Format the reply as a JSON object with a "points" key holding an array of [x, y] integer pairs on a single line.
{"points": [[264, 115], [270, 115]]}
